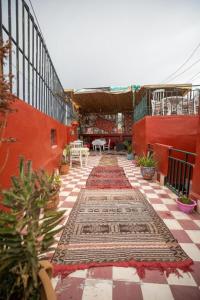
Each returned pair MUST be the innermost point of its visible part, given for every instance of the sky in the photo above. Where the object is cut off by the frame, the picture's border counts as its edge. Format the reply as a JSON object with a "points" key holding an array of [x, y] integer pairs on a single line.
{"points": [[96, 43]]}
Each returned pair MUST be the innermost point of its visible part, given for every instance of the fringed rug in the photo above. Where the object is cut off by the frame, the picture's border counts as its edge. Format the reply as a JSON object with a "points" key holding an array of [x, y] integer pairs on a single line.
{"points": [[108, 160], [117, 228], [108, 171], [107, 177]]}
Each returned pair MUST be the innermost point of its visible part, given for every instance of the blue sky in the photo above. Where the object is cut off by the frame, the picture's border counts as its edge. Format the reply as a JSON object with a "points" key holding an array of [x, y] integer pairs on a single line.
{"points": [[120, 42]]}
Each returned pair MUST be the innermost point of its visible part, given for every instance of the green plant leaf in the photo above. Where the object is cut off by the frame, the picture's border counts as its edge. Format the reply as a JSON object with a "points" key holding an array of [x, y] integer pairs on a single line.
{"points": [[45, 245], [51, 226]]}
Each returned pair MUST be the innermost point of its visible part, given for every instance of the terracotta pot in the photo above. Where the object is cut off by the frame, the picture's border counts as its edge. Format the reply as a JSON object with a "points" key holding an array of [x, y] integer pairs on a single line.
{"points": [[186, 208], [53, 201], [147, 172], [64, 169]]}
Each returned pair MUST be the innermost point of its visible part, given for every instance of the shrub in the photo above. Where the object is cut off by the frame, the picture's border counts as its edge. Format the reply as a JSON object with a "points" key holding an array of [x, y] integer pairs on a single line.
{"points": [[146, 161]]}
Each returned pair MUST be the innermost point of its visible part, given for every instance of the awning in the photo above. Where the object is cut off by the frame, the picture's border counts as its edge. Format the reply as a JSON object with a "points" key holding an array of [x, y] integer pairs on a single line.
{"points": [[104, 100]]}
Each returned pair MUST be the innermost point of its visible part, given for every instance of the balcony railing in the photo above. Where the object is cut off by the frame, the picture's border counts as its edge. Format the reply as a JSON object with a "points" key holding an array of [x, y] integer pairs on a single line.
{"points": [[35, 78], [180, 171], [164, 103]]}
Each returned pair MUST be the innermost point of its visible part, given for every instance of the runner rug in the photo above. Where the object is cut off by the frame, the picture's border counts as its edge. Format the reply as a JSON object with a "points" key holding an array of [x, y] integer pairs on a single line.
{"points": [[107, 177], [108, 171], [108, 160], [117, 228]]}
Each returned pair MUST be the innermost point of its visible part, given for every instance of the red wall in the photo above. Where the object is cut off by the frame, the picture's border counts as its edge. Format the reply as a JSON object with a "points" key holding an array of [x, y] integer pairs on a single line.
{"points": [[31, 128], [139, 137], [195, 193], [177, 131], [161, 153]]}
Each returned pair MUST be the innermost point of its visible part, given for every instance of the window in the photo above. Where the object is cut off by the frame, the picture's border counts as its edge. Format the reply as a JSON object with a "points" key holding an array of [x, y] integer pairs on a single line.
{"points": [[53, 137]]}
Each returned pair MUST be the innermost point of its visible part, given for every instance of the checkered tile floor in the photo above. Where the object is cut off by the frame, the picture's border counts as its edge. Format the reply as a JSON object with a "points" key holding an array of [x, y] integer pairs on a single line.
{"points": [[113, 283]]}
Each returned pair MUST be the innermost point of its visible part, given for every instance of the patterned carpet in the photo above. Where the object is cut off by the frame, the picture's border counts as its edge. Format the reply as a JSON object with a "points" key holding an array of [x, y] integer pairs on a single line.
{"points": [[108, 160], [108, 175], [109, 171], [108, 181], [116, 283], [120, 228]]}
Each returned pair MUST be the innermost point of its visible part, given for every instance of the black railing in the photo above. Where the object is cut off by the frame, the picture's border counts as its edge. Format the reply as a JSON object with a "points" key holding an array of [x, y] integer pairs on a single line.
{"points": [[35, 78], [168, 102], [180, 171]]}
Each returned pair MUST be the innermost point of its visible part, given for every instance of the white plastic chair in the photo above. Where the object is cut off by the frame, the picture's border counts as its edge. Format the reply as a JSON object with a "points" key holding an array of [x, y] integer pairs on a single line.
{"points": [[75, 155], [196, 101], [107, 146], [80, 155], [157, 103], [84, 155]]}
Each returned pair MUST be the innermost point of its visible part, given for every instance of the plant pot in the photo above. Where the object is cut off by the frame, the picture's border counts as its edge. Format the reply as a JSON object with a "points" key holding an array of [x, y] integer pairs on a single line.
{"points": [[186, 208], [64, 169], [130, 156], [147, 172], [53, 201]]}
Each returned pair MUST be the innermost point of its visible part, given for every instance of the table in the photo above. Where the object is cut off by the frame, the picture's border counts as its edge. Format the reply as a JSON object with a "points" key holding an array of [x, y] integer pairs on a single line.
{"points": [[98, 143], [77, 143]]}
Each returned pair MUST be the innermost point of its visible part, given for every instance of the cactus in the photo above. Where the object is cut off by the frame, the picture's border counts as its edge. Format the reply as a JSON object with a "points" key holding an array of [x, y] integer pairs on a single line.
{"points": [[26, 232]]}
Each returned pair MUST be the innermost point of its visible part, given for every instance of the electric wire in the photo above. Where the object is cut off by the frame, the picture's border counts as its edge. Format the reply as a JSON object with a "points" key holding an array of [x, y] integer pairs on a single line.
{"points": [[183, 64], [188, 68], [194, 77]]}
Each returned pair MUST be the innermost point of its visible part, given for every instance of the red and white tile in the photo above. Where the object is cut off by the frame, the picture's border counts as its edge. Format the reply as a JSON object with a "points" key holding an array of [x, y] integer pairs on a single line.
{"points": [[113, 283]]}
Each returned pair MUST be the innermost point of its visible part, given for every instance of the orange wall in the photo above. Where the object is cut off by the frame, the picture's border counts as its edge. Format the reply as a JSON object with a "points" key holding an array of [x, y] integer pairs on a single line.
{"points": [[177, 131], [31, 128]]}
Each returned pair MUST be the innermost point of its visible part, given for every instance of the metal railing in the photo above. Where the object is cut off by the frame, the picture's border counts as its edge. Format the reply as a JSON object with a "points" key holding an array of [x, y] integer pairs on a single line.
{"points": [[173, 102], [35, 78], [180, 170]]}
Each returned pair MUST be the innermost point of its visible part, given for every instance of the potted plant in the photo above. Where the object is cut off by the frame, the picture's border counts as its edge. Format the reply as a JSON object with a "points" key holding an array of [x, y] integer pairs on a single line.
{"points": [[129, 152], [185, 204], [26, 235], [128, 146], [50, 183], [64, 164], [147, 166]]}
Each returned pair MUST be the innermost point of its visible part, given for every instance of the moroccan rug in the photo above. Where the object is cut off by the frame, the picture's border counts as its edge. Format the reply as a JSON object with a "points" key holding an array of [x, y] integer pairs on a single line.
{"points": [[108, 160], [107, 177], [117, 228], [108, 171]]}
